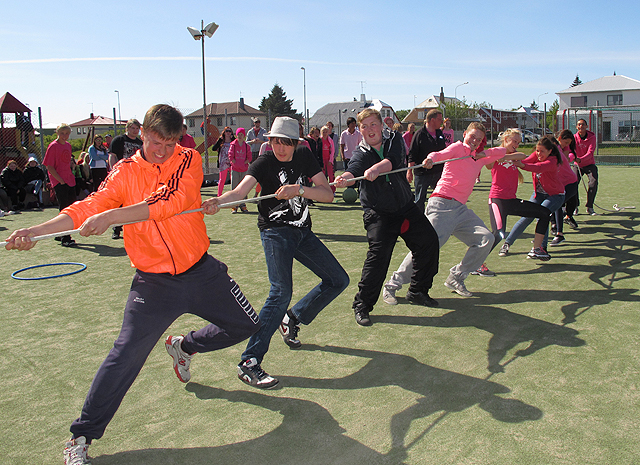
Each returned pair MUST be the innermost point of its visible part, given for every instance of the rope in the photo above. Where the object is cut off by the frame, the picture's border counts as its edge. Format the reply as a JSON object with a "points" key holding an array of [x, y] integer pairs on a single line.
{"points": [[236, 202]]}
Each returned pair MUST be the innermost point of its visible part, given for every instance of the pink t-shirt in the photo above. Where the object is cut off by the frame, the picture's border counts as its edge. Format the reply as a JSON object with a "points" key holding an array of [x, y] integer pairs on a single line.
{"points": [[459, 177], [239, 156], [565, 173], [504, 180], [448, 136], [350, 142], [408, 137], [59, 157]]}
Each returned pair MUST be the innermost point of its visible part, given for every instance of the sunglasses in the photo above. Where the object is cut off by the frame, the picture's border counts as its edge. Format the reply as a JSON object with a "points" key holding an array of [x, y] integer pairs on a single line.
{"points": [[228, 130]]}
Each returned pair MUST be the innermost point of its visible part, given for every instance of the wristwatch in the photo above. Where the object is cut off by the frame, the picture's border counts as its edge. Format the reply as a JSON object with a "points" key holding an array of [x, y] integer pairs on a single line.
{"points": [[301, 191]]}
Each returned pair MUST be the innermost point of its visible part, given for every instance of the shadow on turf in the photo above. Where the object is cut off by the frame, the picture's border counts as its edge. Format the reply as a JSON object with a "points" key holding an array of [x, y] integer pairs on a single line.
{"points": [[307, 434], [103, 250], [441, 390], [508, 330]]}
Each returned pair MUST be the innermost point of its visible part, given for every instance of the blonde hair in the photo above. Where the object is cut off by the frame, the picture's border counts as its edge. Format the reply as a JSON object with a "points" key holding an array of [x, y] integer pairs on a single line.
{"points": [[364, 114], [63, 127], [510, 132]]}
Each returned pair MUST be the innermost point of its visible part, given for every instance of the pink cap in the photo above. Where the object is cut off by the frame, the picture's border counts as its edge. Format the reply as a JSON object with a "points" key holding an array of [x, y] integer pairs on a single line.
{"points": [[240, 130]]}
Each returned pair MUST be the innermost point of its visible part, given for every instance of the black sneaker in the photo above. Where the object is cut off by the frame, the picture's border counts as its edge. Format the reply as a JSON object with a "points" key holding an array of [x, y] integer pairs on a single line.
{"points": [[362, 318], [554, 229], [421, 298], [251, 373], [116, 232], [570, 222], [557, 240], [289, 330], [67, 242]]}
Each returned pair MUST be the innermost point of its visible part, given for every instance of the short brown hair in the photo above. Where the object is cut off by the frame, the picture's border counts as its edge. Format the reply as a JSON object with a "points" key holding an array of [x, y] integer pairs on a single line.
{"points": [[433, 113], [477, 125], [364, 114], [132, 122], [164, 120]]}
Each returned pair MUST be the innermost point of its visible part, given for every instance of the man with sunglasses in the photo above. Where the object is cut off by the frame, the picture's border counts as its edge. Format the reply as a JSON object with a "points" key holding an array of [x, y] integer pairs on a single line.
{"points": [[255, 138]]}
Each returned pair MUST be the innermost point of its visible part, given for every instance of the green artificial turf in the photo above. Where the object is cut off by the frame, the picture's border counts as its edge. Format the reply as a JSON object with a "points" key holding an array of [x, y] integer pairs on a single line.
{"points": [[540, 366]]}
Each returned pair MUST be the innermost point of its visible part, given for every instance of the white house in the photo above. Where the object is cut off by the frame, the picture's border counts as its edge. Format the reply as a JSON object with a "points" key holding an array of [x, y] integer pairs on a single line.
{"points": [[611, 105], [338, 112]]}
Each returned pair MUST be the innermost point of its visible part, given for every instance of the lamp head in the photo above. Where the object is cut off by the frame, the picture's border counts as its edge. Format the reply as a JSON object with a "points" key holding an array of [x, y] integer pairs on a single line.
{"points": [[195, 33], [210, 29]]}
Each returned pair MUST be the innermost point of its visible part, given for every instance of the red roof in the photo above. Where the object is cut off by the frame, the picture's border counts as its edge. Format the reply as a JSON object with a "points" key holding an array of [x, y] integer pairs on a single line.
{"points": [[96, 121], [10, 104]]}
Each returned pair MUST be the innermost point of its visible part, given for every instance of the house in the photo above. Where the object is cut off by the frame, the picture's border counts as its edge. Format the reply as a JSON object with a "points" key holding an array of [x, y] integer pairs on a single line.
{"points": [[233, 114], [338, 112], [610, 105], [419, 113], [100, 125]]}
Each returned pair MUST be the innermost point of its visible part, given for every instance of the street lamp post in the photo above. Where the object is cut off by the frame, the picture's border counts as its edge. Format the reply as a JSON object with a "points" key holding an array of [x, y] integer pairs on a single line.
{"points": [[539, 122], [199, 34], [455, 96], [304, 81], [119, 114]]}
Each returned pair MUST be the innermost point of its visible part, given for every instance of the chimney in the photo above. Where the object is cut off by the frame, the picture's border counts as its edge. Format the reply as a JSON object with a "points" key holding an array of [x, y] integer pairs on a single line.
{"points": [[441, 96], [92, 116], [242, 103], [363, 99]]}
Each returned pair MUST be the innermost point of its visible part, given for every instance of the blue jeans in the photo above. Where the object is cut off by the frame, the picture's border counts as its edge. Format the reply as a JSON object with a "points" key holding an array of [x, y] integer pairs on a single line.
{"points": [[552, 202], [281, 246]]}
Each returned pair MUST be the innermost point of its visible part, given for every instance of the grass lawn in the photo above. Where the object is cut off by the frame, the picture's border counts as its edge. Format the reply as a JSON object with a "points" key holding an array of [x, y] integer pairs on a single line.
{"points": [[540, 366]]}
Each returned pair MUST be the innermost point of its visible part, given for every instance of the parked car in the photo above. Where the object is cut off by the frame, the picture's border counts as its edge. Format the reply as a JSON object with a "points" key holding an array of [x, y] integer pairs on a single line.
{"points": [[528, 136]]}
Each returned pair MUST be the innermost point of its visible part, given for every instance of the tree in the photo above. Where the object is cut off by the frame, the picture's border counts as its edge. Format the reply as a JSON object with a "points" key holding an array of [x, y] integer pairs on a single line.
{"points": [[459, 112], [401, 114], [552, 113], [534, 105], [277, 104], [576, 81]]}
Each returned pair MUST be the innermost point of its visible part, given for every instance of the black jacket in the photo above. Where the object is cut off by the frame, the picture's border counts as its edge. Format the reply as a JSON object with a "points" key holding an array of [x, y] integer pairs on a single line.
{"points": [[388, 194], [422, 145]]}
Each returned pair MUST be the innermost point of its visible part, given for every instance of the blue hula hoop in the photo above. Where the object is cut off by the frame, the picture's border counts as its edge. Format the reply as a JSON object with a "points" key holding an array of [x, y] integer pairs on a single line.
{"points": [[81, 265]]}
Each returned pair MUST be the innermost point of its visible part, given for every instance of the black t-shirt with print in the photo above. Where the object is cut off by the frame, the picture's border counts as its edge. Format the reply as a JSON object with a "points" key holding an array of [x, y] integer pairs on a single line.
{"points": [[272, 174], [124, 147]]}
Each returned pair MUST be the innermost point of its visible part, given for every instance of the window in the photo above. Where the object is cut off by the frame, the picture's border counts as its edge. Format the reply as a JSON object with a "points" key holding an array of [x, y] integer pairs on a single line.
{"points": [[421, 115], [233, 120], [84, 130], [614, 99], [79, 131], [192, 123], [578, 101], [219, 121]]}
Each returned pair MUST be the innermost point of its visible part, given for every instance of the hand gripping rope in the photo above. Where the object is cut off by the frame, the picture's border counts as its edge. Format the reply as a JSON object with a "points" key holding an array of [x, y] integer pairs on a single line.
{"points": [[240, 202]]}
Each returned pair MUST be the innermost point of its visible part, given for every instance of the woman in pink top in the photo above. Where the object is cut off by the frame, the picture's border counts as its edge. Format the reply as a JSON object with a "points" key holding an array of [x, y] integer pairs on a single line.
{"points": [[222, 146], [447, 132], [240, 157], [585, 161], [570, 180], [548, 190], [503, 202], [328, 155]]}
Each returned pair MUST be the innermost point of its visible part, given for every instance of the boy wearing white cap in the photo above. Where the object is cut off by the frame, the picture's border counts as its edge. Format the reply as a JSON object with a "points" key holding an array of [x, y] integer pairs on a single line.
{"points": [[285, 230]]}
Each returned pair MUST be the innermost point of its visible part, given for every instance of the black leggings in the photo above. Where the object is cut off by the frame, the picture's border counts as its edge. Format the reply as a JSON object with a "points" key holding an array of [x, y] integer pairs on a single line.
{"points": [[499, 209]]}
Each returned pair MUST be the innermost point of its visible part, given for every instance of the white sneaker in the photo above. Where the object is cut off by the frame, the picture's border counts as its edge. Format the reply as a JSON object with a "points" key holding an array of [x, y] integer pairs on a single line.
{"points": [[181, 359], [75, 452], [389, 296], [457, 286]]}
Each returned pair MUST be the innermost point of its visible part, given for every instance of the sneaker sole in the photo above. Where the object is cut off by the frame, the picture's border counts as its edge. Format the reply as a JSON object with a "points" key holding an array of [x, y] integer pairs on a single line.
{"points": [[292, 343], [246, 379], [542, 259], [455, 289], [172, 353], [476, 273]]}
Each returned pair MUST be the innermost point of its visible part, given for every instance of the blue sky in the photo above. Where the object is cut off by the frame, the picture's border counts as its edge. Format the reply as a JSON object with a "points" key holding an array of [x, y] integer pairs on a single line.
{"points": [[68, 58]]}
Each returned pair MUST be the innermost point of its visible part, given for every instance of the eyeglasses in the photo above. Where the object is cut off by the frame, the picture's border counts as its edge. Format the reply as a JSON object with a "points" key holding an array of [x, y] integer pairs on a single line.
{"points": [[228, 130]]}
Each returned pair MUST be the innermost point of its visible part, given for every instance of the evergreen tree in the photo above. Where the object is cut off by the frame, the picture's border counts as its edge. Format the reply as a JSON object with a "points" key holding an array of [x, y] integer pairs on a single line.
{"points": [[278, 104], [576, 81], [534, 105]]}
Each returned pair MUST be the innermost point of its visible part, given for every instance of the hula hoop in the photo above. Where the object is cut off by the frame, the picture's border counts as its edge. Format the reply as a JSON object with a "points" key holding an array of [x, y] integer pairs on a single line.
{"points": [[81, 265]]}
